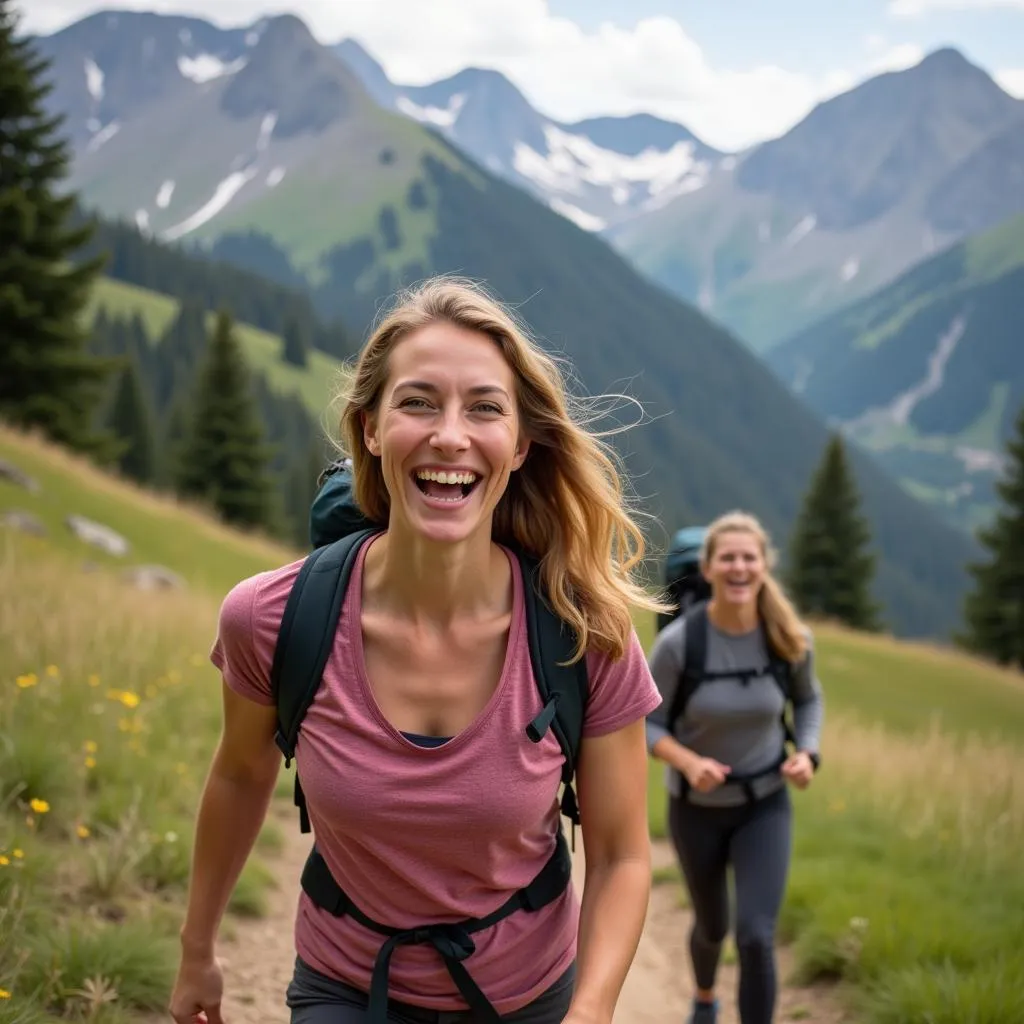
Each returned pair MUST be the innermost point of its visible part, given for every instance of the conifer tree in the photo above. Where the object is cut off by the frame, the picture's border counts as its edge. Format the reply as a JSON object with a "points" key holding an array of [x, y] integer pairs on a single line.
{"points": [[224, 457], [994, 609], [830, 567], [49, 380], [131, 421], [296, 342]]}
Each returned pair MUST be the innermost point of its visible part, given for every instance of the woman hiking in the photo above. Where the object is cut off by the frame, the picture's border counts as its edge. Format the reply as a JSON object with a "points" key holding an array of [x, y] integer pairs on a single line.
{"points": [[720, 730], [431, 803]]}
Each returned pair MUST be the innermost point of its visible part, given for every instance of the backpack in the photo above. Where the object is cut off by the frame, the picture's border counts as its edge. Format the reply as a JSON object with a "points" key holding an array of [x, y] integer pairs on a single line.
{"points": [[338, 530], [683, 580], [695, 674]]}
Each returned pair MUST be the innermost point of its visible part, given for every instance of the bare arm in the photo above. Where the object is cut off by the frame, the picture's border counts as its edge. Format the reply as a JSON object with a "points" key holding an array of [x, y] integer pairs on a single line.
{"points": [[612, 783], [233, 805]]}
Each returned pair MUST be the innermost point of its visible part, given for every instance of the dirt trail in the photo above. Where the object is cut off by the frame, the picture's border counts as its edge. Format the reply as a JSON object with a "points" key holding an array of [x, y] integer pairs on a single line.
{"points": [[258, 956]]}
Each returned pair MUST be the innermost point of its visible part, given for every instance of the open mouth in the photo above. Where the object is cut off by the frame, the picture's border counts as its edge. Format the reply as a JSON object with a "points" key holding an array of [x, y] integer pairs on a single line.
{"points": [[451, 486]]}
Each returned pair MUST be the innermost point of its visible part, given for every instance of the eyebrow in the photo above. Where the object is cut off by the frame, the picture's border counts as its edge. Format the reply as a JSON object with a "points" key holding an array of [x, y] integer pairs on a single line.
{"points": [[477, 389]]}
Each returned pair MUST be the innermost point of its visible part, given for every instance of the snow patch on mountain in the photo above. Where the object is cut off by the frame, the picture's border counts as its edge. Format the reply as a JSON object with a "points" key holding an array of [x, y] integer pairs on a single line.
{"points": [[93, 79], [225, 191], [163, 197], [205, 67], [573, 162], [101, 136], [442, 117], [581, 218]]}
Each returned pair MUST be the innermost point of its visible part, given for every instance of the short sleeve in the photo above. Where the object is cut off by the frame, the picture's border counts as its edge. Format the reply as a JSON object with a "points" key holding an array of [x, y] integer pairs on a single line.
{"points": [[620, 691], [242, 660]]}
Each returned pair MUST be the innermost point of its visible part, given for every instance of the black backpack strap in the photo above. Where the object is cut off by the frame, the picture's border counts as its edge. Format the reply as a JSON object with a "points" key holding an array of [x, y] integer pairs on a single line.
{"points": [[564, 688], [305, 640], [695, 647]]}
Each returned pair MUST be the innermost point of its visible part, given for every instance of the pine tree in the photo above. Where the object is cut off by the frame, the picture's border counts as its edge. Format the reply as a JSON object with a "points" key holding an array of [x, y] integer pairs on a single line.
{"points": [[48, 378], [830, 568], [131, 421], [296, 342], [224, 457], [994, 609]]}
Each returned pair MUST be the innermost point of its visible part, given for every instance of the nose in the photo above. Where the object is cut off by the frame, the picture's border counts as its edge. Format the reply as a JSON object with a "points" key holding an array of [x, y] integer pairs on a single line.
{"points": [[450, 434]]}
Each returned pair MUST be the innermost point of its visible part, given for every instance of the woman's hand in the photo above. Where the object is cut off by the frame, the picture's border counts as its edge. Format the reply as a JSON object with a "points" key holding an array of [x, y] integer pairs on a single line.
{"points": [[705, 774], [198, 990], [798, 769]]}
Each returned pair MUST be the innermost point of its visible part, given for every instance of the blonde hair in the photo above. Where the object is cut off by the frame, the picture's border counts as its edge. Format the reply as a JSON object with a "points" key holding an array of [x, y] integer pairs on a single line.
{"points": [[782, 623], [565, 505]]}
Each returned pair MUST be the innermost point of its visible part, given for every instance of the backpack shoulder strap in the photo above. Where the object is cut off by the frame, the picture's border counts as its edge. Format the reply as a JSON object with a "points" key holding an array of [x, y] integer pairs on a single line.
{"points": [[564, 687], [695, 647], [306, 634]]}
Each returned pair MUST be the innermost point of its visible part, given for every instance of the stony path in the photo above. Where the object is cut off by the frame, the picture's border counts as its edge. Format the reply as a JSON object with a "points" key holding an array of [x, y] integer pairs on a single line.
{"points": [[258, 956]]}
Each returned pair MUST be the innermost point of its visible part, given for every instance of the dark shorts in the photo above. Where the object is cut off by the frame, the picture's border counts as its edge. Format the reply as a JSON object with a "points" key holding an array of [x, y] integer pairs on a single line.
{"points": [[315, 998]]}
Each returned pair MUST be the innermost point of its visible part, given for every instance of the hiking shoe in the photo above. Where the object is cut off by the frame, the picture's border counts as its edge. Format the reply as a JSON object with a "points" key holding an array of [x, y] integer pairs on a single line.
{"points": [[704, 1013]]}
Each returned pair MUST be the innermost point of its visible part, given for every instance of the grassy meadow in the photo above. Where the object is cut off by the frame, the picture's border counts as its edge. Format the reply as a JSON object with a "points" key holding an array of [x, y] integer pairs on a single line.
{"points": [[906, 884], [109, 712]]}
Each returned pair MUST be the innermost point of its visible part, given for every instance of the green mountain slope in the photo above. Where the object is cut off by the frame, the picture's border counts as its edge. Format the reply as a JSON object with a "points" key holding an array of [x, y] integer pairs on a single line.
{"points": [[314, 384], [929, 371]]}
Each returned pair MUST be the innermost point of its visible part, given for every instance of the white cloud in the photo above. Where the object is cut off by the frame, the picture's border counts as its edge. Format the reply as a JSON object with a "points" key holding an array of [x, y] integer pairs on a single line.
{"points": [[565, 71], [915, 8], [1012, 80]]}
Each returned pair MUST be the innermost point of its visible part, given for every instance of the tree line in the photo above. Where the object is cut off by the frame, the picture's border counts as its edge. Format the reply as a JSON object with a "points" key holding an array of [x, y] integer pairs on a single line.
{"points": [[184, 412]]}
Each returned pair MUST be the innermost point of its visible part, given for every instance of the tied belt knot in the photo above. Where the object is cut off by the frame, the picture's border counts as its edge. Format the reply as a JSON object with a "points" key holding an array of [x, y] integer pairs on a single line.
{"points": [[452, 941]]}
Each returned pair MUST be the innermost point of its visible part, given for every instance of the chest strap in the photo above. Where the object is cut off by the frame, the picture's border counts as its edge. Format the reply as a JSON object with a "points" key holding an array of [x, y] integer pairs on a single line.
{"points": [[453, 941]]}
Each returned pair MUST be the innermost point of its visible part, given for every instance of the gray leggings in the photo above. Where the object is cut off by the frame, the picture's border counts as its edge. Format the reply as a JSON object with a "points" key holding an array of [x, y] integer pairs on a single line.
{"points": [[315, 998], [756, 839]]}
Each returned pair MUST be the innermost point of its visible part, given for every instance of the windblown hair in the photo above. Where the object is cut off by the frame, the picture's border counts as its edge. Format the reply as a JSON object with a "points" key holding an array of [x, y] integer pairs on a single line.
{"points": [[565, 505], [785, 630]]}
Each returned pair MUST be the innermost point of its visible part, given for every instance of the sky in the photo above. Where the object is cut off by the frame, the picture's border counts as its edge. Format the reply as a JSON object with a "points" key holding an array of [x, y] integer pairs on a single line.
{"points": [[735, 72]]}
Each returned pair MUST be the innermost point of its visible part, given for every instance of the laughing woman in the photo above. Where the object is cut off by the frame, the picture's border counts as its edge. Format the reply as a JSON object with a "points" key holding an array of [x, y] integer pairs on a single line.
{"points": [[720, 729], [429, 803]]}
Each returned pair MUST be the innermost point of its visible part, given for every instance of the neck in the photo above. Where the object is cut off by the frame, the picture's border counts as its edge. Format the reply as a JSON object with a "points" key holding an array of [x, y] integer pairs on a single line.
{"points": [[435, 583], [733, 618]]}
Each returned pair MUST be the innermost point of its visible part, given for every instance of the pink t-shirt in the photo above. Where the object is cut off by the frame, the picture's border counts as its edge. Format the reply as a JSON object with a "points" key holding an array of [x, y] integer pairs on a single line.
{"points": [[419, 834]]}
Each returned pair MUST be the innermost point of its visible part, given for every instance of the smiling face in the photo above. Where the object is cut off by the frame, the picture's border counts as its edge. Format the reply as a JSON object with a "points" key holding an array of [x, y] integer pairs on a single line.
{"points": [[736, 568], [446, 431]]}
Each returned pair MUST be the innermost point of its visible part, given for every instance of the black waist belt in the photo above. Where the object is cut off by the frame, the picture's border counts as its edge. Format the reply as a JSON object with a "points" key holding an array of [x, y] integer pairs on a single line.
{"points": [[745, 782], [453, 941]]}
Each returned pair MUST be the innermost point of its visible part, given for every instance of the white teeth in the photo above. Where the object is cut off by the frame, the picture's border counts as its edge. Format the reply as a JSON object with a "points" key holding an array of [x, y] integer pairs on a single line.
{"points": [[443, 477]]}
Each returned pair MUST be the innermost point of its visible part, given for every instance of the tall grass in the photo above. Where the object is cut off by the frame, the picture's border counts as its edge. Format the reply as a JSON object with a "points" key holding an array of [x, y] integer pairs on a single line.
{"points": [[906, 877], [109, 712]]}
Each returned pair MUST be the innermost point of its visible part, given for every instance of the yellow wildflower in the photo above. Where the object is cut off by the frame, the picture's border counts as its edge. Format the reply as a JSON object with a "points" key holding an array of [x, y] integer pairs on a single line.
{"points": [[90, 747], [52, 671], [17, 854], [4, 861], [4, 994], [94, 680], [25, 681], [39, 806], [129, 699], [82, 832], [90, 762]]}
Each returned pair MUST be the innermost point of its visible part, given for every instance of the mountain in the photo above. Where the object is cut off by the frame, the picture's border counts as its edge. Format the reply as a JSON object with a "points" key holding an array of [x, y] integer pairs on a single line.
{"points": [[870, 183], [597, 172], [363, 200], [929, 371]]}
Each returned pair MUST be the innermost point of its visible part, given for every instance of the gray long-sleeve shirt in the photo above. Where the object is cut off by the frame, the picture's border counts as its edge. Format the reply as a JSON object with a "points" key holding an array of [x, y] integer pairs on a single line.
{"points": [[737, 724]]}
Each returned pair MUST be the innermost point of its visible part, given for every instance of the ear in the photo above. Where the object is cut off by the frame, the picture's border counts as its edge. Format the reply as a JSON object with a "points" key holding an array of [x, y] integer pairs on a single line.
{"points": [[370, 438], [522, 448]]}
